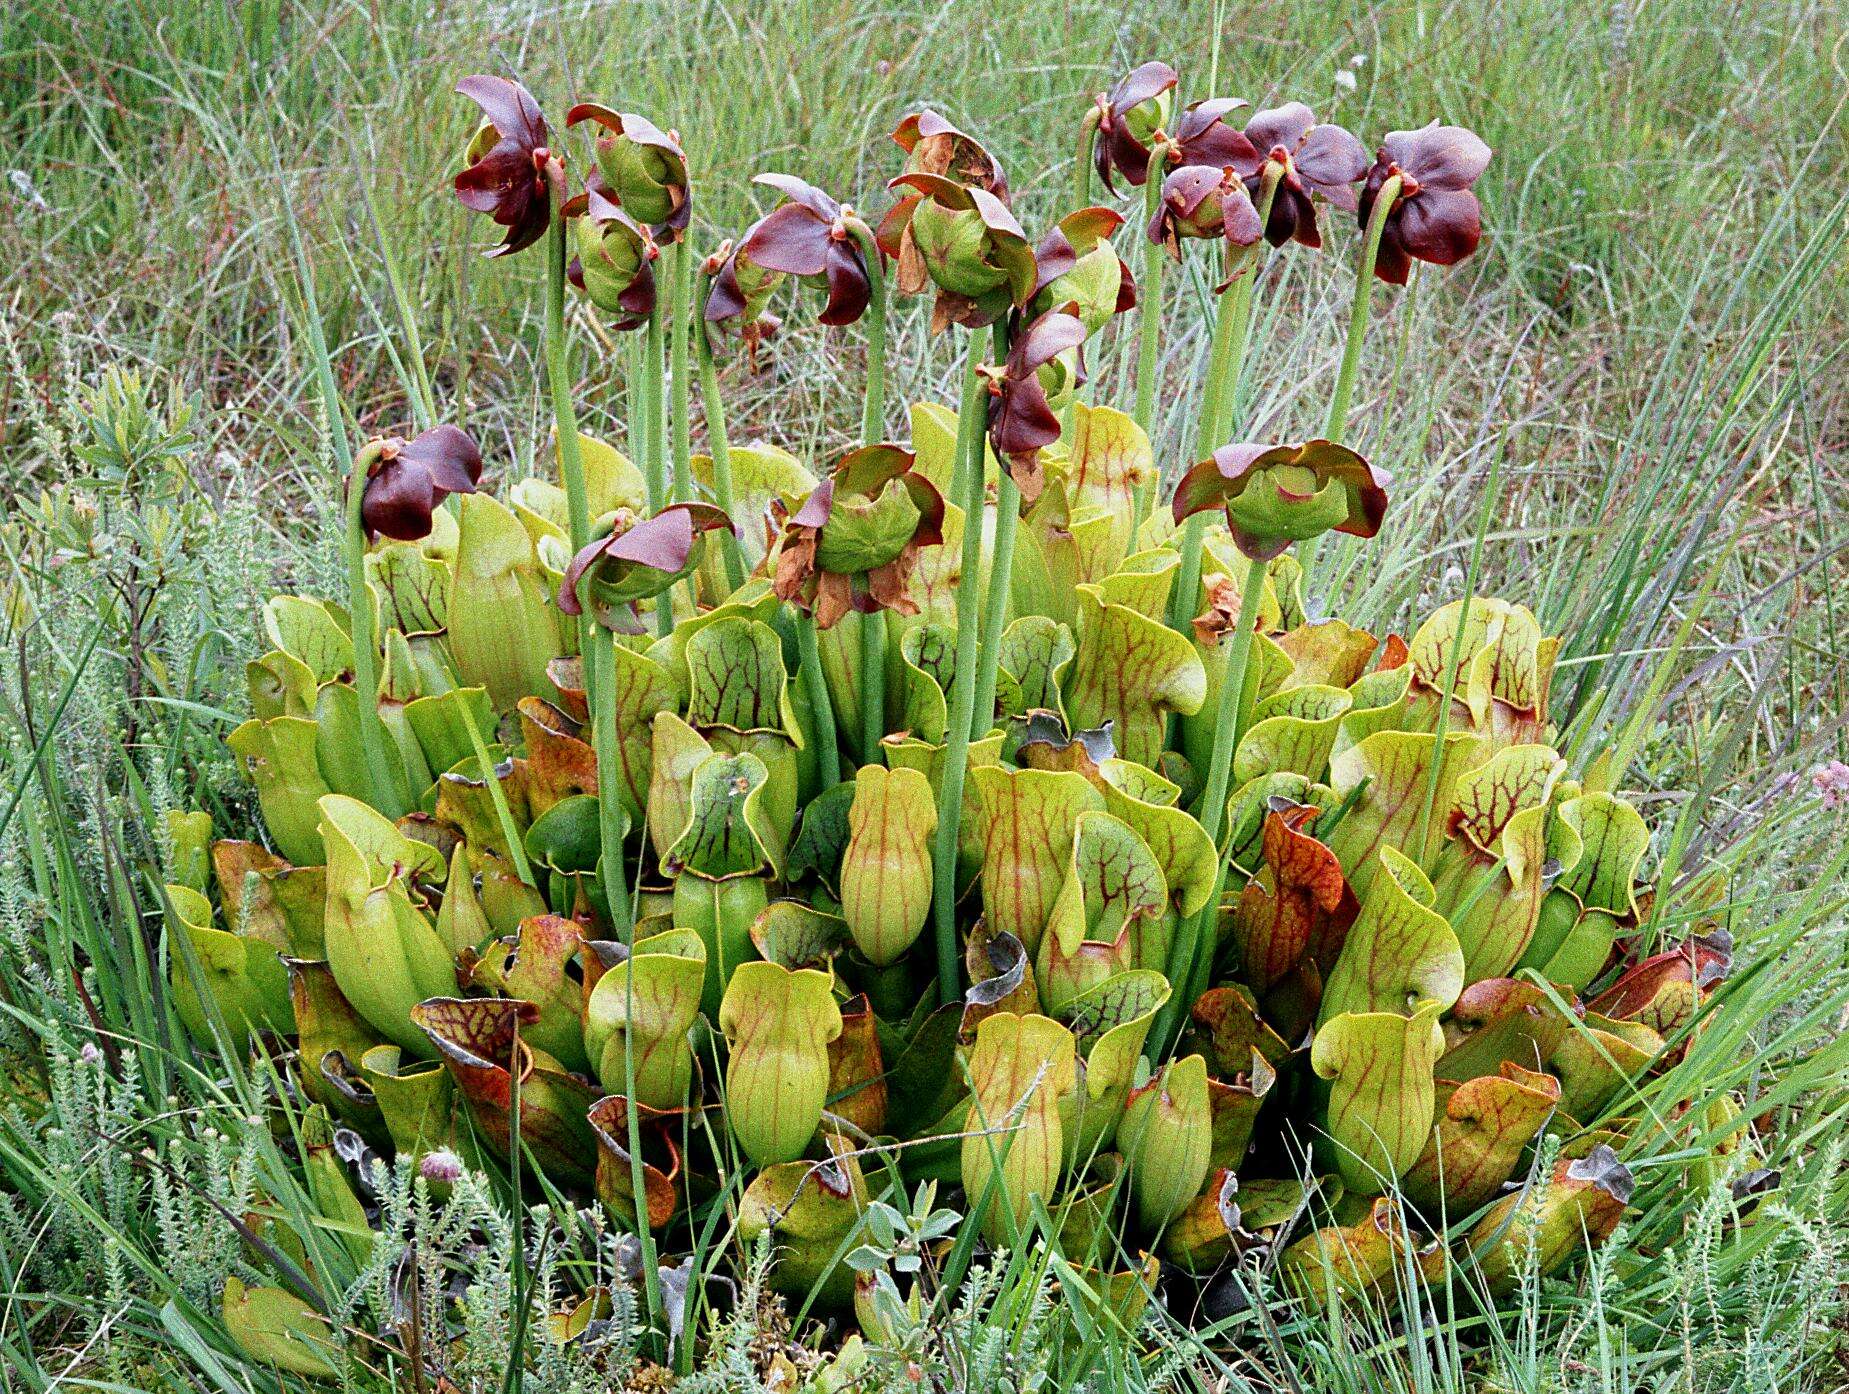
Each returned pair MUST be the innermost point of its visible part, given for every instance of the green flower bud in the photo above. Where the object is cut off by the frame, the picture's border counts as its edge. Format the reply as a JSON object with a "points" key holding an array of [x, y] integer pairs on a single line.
{"points": [[642, 166], [1060, 378], [615, 268], [643, 176], [1274, 495], [1142, 121], [864, 533], [957, 249], [1091, 287]]}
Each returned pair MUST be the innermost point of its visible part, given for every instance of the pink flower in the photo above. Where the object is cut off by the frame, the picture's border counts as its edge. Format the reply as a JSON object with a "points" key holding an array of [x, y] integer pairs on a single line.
{"points": [[1831, 781]]}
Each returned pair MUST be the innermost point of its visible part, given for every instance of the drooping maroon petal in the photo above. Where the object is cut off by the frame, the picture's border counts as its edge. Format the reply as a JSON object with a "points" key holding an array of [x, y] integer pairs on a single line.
{"points": [[1439, 157], [1074, 235], [398, 503], [789, 238], [1205, 137], [509, 107], [504, 172], [1442, 226], [1393, 263], [800, 191], [1279, 125], [1331, 159], [1293, 219], [1021, 420], [849, 289], [817, 508], [586, 557], [449, 456], [1238, 218], [726, 300], [411, 479]]}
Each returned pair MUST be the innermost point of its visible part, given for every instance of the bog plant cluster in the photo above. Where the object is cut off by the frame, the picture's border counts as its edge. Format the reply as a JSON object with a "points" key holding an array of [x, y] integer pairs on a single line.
{"points": [[754, 843]]}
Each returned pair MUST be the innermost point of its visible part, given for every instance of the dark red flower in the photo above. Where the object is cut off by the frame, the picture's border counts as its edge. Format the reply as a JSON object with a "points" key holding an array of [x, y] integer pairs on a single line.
{"points": [[407, 480], [506, 175], [1022, 421], [1128, 116], [637, 559], [1315, 160], [933, 146], [1436, 217], [1205, 135], [809, 237], [1203, 201]]}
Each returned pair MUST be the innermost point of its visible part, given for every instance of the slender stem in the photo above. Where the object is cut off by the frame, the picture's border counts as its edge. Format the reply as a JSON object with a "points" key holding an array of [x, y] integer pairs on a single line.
{"points": [[1001, 581], [611, 871], [1357, 315], [1231, 337], [1226, 312], [1149, 317], [638, 1173], [1229, 719], [653, 382], [683, 380], [516, 1368], [383, 767], [558, 380], [610, 820], [995, 613], [829, 754], [1081, 174], [722, 456], [640, 413], [503, 814], [963, 689], [872, 685], [655, 463], [564, 414], [873, 408]]}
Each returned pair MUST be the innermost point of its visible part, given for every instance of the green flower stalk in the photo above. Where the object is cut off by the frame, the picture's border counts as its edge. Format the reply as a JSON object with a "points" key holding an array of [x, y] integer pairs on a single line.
{"points": [[558, 382], [1081, 167], [1416, 205], [1357, 315], [682, 276], [1226, 363], [873, 407], [1022, 421], [1149, 322], [963, 695], [714, 402], [1271, 496]]}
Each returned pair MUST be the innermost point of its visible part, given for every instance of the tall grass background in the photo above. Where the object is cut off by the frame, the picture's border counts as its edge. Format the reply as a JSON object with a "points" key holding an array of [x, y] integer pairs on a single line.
{"points": [[1632, 400]]}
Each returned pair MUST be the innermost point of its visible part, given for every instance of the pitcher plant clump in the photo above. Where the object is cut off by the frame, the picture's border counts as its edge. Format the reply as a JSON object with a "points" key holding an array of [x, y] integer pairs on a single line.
{"points": [[746, 834]]}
